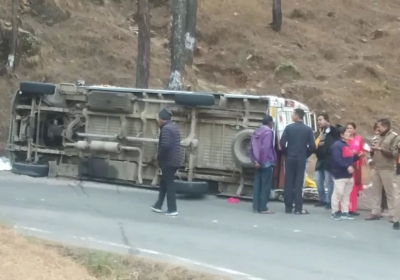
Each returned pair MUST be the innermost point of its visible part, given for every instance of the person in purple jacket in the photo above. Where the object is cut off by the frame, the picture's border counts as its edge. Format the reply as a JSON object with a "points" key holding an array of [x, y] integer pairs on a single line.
{"points": [[262, 154], [343, 158]]}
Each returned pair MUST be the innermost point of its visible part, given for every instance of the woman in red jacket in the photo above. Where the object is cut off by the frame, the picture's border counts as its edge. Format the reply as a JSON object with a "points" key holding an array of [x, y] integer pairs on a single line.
{"points": [[356, 143]]}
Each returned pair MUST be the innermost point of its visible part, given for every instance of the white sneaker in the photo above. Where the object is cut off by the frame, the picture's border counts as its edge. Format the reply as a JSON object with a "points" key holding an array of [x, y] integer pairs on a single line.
{"points": [[156, 209], [167, 213]]}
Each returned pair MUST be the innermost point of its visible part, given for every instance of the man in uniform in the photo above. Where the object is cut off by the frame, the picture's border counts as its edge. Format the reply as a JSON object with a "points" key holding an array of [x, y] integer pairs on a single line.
{"points": [[385, 153], [396, 218]]}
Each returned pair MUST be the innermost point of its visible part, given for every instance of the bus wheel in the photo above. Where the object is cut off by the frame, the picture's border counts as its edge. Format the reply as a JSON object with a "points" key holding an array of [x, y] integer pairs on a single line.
{"points": [[30, 169], [194, 99], [36, 89], [240, 148]]}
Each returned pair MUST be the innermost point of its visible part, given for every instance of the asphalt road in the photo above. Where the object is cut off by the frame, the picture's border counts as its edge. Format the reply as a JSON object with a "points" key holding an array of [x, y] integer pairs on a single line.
{"points": [[209, 234]]}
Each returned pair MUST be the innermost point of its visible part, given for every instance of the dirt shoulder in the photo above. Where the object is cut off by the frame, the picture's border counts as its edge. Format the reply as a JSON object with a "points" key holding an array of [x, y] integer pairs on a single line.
{"points": [[30, 258]]}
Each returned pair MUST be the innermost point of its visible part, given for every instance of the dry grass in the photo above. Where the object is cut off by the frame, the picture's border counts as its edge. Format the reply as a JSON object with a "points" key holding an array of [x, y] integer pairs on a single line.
{"points": [[31, 258], [21, 259], [110, 266]]}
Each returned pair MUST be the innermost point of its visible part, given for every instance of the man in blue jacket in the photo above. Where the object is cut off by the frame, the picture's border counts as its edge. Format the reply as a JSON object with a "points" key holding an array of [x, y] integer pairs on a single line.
{"points": [[297, 144], [169, 160], [342, 170], [262, 153]]}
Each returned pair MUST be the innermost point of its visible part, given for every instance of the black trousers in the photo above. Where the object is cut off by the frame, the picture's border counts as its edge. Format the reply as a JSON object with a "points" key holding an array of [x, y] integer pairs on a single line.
{"points": [[167, 187], [295, 169]]}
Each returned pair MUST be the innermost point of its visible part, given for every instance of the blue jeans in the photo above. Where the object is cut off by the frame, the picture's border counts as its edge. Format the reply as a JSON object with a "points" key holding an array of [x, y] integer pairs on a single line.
{"points": [[322, 178], [262, 188]]}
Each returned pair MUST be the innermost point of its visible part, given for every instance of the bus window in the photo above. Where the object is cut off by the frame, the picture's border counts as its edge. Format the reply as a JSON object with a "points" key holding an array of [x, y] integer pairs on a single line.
{"points": [[288, 117], [314, 125], [307, 119]]}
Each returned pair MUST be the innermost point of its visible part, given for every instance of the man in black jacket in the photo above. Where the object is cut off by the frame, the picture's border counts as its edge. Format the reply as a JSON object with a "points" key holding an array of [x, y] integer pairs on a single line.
{"points": [[297, 144], [323, 175], [169, 160]]}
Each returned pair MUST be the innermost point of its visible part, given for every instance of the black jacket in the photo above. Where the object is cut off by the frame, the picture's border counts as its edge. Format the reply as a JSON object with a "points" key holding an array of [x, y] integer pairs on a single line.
{"points": [[324, 150], [297, 141], [169, 146]]}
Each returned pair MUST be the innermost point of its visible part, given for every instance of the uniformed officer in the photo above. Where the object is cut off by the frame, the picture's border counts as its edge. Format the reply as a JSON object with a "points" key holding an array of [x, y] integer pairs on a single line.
{"points": [[385, 153], [396, 218]]}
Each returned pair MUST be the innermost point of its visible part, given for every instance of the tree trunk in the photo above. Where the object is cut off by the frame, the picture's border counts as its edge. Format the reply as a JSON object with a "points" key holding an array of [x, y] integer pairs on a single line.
{"points": [[14, 39], [276, 15], [177, 43], [143, 56], [190, 34]]}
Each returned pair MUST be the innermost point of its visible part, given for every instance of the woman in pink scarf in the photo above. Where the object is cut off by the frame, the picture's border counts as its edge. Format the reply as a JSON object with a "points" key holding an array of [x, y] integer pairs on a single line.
{"points": [[356, 143]]}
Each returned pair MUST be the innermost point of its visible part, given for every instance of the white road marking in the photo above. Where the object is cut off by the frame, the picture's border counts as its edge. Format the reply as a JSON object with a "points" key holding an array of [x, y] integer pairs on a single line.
{"points": [[33, 229], [152, 252], [186, 260], [60, 182]]}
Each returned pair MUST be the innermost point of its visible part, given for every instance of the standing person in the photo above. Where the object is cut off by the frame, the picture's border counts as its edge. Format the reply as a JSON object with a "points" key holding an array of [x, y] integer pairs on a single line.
{"points": [[169, 160], [297, 144], [323, 176], [384, 159], [343, 159], [356, 143], [384, 206], [262, 154], [396, 218]]}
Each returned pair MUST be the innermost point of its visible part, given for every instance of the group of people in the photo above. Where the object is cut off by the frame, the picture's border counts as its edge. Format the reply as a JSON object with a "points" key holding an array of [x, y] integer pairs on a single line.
{"points": [[341, 154]]}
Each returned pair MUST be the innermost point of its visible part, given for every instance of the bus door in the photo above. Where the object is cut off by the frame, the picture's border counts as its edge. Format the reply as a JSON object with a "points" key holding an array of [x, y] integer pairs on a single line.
{"points": [[283, 118]]}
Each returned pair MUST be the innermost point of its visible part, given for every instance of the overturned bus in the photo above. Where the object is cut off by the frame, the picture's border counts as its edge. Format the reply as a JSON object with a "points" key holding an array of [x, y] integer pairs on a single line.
{"points": [[111, 134]]}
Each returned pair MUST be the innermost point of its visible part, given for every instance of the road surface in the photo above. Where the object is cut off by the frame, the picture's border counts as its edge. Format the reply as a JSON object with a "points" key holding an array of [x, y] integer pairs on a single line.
{"points": [[209, 234]]}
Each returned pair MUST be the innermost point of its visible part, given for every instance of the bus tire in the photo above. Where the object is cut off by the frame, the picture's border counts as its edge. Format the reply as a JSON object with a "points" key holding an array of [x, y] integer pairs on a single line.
{"points": [[30, 169], [191, 188], [194, 99], [36, 89], [240, 148]]}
